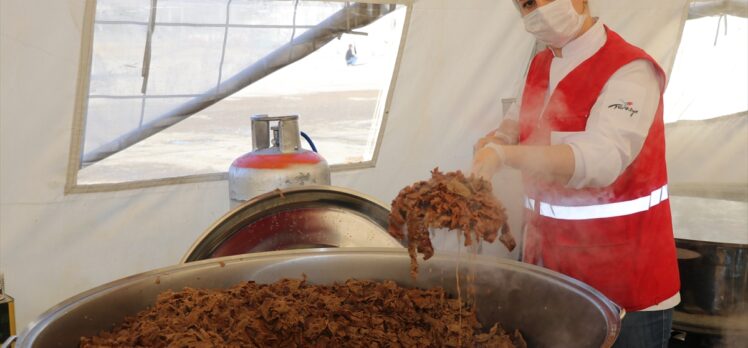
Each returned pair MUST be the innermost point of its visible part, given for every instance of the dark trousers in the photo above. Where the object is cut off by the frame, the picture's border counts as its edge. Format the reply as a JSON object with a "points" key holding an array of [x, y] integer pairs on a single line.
{"points": [[649, 329]]}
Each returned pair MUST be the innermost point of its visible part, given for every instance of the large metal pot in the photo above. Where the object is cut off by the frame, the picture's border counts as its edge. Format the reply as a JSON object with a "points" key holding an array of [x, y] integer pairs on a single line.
{"points": [[712, 242], [714, 288], [551, 310], [714, 277]]}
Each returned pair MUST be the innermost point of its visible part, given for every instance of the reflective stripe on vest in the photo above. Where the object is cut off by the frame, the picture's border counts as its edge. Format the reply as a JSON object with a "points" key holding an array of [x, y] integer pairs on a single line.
{"points": [[600, 210]]}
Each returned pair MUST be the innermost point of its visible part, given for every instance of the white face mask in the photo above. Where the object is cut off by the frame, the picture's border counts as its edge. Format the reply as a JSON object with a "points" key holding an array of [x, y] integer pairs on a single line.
{"points": [[554, 24]]}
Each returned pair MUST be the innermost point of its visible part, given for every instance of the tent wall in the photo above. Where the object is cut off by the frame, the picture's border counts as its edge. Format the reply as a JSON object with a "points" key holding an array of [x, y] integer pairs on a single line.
{"points": [[709, 158], [461, 57]]}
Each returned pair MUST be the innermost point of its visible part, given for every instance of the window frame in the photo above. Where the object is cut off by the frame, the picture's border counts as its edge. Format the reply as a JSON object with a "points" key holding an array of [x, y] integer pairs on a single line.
{"points": [[81, 105]]}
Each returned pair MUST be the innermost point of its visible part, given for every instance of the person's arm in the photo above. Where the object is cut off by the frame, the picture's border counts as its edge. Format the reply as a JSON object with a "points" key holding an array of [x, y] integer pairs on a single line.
{"points": [[617, 127], [553, 163], [597, 156]]}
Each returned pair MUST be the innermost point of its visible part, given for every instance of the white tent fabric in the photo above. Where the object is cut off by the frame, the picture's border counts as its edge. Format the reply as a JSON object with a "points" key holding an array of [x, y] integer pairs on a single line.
{"points": [[460, 59], [709, 58], [709, 155]]}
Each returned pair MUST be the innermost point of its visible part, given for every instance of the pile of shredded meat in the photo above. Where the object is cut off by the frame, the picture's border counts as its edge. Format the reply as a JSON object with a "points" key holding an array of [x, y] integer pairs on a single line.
{"points": [[448, 200], [293, 313]]}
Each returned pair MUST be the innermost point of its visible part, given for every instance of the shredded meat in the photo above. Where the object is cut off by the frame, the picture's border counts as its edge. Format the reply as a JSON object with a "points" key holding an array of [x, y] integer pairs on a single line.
{"points": [[448, 200], [293, 313]]}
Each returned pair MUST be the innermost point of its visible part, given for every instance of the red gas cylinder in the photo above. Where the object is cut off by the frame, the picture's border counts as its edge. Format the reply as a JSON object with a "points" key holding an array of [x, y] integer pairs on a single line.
{"points": [[275, 164]]}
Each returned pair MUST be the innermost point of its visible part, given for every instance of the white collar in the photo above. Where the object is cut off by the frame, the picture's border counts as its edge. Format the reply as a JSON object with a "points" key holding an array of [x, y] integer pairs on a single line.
{"points": [[586, 44]]}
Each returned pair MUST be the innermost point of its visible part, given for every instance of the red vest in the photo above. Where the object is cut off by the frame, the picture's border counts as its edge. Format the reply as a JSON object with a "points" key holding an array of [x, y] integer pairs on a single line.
{"points": [[619, 238]]}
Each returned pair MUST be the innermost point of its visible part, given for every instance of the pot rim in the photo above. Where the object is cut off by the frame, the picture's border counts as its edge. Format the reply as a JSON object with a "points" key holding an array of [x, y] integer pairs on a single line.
{"points": [[612, 312], [716, 244]]}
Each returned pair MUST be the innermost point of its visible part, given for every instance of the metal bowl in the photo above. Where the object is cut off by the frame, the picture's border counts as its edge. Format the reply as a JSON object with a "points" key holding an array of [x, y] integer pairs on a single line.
{"points": [[550, 309]]}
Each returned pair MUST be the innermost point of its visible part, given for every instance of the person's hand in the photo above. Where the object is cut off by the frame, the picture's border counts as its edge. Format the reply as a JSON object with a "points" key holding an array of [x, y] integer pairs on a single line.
{"points": [[495, 136], [487, 161], [488, 139]]}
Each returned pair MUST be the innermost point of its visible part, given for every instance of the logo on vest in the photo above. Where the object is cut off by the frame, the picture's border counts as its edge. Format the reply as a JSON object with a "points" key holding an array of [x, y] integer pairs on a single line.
{"points": [[625, 106]]}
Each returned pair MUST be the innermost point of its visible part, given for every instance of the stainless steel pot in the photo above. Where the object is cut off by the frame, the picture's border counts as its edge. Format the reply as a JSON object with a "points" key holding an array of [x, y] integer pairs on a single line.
{"points": [[714, 277], [551, 310], [712, 242], [714, 288]]}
